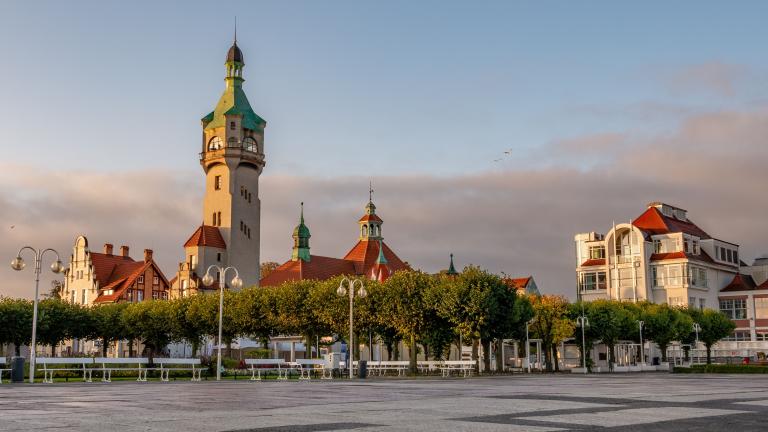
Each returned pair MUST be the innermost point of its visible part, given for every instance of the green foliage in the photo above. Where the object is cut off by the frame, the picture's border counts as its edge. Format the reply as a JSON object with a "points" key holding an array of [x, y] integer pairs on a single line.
{"points": [[151, 321], [714, 326], [15, 322], [551, 323], [665, 324]]}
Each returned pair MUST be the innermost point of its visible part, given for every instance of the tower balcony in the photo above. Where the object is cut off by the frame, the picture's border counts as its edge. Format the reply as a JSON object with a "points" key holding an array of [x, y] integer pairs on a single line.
{"points": [[232, 152]]}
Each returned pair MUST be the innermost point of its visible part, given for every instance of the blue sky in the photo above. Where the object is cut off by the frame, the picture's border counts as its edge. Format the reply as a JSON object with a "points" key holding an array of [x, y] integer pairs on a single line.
{"points": [[354, 87], [605, 106]]}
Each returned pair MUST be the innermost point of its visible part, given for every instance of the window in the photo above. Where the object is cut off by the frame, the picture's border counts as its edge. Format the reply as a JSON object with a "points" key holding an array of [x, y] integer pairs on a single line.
{"points": [[762, 336], [596, 252], [249, 197], [214, 144], [691, 301], [218, 257], [140, 279], [139, 295], [73, 296], [761, 307], [242, 191], [249, 144], [217, 182], [249, 232], [155, 280], [734, 308], [702, 303], [83, 299], [592, 281], [686, 245], [232, 142], [232, 125], [218, 216], [241, 226], [730, 255], [722, 254], [696, 248], [192, 262], [738, 336], [735, 257], [697, 276], [675, 301]]}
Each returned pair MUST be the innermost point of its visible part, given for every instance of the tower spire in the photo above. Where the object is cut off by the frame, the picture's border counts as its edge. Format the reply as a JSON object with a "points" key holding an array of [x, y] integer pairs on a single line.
{"points": [[301, 237], [451, 269], [370, 190], [235, 29]]}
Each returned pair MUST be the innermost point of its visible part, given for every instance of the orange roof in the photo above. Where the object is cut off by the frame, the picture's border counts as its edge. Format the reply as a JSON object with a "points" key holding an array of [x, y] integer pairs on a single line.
{"points": [[703, 256], [206, 235], [742, 283], [517, 283], [366, 252], [105, 266], [655, 222], [593, 262], [318, 268], [370, 217]]}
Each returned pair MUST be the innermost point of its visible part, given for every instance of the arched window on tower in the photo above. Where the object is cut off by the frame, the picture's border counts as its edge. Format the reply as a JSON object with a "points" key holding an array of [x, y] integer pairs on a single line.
{"points": [[214, 143], [365, 231], [249, 144]]}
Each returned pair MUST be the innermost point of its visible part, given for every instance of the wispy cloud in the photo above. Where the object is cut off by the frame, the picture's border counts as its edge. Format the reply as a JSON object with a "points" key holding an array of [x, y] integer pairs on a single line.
{"points": [[711, 77]]}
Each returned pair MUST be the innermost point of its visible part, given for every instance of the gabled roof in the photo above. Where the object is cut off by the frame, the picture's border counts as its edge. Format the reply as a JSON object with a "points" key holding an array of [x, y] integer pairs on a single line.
{"points": [[742, 282], [318, 268], [366, 252], [107, 268], [655, 222], [518, 283], [206, 235], [124, 277]]}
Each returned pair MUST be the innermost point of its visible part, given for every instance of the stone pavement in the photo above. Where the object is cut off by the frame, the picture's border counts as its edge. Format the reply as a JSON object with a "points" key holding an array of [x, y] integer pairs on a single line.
{"points": [[637, 402]]}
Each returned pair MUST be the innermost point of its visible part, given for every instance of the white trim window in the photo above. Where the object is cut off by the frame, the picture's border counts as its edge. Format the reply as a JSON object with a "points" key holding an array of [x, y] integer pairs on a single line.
{"points": [[592, 281], [734, 308]]}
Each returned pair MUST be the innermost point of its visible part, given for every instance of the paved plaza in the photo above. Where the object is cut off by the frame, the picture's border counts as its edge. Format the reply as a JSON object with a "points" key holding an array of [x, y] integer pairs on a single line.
{"points": [[658, 402]]}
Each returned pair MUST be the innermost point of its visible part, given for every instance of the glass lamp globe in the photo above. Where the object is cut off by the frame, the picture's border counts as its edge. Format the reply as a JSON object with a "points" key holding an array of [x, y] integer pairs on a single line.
{"points": [[57, 267], [362, 292], [341, 291], [207, 279], [18, 264], [237, 283]]}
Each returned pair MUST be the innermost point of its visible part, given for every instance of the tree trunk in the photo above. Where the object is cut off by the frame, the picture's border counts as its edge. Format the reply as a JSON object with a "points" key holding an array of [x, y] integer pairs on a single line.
{"points": [[388, 346], [475, 355], [663, 349], [554, 358], [195, 347], [426, 351], [53, 349], [709, 353], [486, 355], [611, 357], [499, 358], [397, 350], [104, 344], [130, 348], [547, 348], [413, 354], [17, 349]]}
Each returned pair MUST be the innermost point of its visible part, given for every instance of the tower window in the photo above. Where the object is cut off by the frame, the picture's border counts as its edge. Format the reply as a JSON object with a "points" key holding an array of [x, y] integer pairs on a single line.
{"points": [[214, 143], [242, 190], [217, 182], [249, 144], [249, 232], [218, 257], [231, 125]]}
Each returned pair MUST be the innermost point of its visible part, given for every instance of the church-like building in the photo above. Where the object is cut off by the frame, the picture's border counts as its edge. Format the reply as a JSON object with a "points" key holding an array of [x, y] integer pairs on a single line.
{"points": [[232, 157], [370, 258]]}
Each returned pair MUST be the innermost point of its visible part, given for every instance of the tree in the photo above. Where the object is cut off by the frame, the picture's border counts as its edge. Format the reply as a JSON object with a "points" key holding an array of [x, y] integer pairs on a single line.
{"points": [[665, 324], [59, 321], [438, 333], [585, 343], [254, 314], [551, 323], [267, 267], [714, 327], [108, 324], [405, 308], [151, 321], [15, 322], [611, 323]]}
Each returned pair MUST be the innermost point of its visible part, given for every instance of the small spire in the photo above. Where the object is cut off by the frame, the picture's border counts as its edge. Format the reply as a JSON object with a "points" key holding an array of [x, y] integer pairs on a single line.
{"points": [[302, 212], [370, 191], [381, 259], [235, 29], [451, 269]]}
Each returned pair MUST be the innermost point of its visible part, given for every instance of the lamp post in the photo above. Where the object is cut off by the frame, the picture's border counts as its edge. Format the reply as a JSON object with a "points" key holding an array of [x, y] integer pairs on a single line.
{"points": [[236, 284], [18, 264], [527, 347], [697, 329], [583, 322], [342, 291], [640, 323]]}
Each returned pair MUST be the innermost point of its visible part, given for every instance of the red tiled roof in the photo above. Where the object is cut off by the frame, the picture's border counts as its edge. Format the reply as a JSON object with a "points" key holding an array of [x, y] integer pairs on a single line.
{"points": [[742, 283], [703, 256], [517, 283], [763, 286], [368, 218], [318, 268], [593, 262], [125, 277], [655, 222], [105, 266], [207, 235], [366, 252]]}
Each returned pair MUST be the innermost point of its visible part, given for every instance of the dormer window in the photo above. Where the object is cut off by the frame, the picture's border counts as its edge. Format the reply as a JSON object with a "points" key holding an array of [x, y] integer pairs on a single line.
{"points": [[214, 144]]}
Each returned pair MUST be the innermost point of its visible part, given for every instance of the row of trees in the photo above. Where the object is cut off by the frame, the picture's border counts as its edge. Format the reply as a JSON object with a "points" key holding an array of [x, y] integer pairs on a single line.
{"points": [[426, 313]]}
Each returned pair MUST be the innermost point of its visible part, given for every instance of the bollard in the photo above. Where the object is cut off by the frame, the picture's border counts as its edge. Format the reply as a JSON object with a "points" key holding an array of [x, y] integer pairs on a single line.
{"points": [[362, 369], [17, 369]]}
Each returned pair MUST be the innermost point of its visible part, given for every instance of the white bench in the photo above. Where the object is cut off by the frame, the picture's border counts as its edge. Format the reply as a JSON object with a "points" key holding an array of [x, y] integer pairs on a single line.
{"points": [[81, 363], [127, 364], [381, 367], [463, 366], [306, 366], [173, 364], [429, 366], [257, 366], [3, 362]]}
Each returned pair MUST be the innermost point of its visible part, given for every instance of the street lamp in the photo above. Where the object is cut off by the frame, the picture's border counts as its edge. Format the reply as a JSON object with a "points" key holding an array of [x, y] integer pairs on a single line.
{"points": [[528, 347], [642, 348], [697, 329], [342, 291], [236, 284], [583, 322], [18, 264]]}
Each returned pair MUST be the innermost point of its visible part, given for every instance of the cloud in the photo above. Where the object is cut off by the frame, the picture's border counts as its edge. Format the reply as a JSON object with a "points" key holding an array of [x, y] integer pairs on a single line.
{"points": [[711, 77], [520, 221]]}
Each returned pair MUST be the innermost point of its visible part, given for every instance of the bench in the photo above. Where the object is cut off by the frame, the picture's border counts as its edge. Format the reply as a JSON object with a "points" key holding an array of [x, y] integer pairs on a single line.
{"points": [[126, 364], [3, 362], [175, 364], [258, 365], [463, 366], [306, 366], [381, 367], [76, 364], [428, 366]]}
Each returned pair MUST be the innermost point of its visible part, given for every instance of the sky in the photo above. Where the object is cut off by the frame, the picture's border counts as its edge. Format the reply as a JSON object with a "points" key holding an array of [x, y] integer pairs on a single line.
{"points": [[601, 107]]}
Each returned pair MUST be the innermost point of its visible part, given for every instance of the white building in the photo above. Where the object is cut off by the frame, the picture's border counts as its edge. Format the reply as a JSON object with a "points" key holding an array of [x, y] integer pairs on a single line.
{"points": [[664, 257]]}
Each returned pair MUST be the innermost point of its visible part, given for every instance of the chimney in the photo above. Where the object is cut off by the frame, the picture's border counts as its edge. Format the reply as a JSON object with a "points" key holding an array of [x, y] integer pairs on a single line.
{"points": [[147, 255], [108, 248], [124, 251]]}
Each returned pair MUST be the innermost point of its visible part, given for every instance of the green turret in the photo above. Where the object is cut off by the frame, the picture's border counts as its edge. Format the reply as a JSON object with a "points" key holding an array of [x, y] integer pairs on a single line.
{"points": [[451, 269], [301, 237]]}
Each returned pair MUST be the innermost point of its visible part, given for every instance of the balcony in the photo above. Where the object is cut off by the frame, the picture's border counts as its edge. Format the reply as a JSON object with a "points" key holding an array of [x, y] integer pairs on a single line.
{"points": [[624, 259], [234, 151]]}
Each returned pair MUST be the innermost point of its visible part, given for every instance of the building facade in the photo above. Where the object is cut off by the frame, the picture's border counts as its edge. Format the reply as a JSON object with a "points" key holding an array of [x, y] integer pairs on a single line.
{"points": [[662, 256], [232, 158]]}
